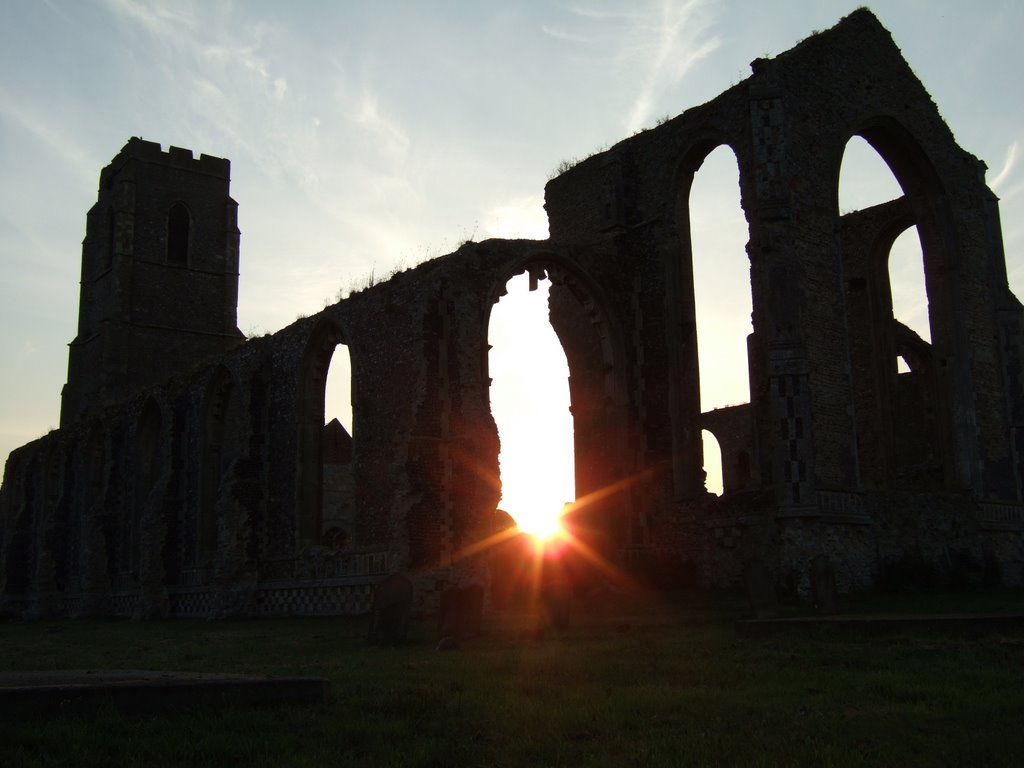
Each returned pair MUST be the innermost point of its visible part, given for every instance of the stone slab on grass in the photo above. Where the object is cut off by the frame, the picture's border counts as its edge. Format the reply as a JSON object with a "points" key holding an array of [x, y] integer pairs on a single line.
{"points": [[60, 691], [968, 624]]}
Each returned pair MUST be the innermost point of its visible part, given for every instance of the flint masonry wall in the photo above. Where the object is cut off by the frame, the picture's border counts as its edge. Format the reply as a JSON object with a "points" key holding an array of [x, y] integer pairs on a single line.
{"points": [[788, 125], [203, 494]]}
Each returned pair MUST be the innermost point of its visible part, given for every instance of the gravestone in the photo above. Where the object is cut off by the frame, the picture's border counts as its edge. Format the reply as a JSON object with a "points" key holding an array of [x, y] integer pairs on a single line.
{"points": [[392, 603], [823, 586], [764, 602], [461, 612]]}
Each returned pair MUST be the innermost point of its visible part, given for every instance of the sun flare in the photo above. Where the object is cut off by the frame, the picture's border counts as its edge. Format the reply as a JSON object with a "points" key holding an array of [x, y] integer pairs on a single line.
{"points": [[542, 524], [536, 481], [530, 403], [535, 496]]}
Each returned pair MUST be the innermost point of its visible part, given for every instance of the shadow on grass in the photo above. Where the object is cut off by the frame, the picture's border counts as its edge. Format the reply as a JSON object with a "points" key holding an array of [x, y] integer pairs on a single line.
{"points": [[658, 680]]}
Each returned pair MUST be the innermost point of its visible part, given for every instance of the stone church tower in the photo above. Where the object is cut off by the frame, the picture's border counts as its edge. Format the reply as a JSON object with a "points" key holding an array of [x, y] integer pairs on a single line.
{"points": [[159, 275]]}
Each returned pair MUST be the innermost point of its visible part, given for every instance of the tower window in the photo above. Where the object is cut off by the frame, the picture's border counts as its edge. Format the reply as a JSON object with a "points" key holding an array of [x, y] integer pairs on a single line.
{"points": [[177, 234]]}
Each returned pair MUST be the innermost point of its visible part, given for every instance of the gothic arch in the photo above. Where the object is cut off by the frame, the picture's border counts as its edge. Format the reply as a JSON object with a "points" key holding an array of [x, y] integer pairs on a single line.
{"points": [[928, 430], [94, 577], [259, 450], [117, 503], [684, 366], [923, 188], [567, 276], [219, 450], [312, 383], [59, 537], [605, 448], [149, 458]]}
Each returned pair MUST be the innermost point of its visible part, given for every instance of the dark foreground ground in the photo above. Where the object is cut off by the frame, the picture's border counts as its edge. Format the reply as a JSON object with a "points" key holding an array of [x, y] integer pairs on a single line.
{"points": [[633, 681]]}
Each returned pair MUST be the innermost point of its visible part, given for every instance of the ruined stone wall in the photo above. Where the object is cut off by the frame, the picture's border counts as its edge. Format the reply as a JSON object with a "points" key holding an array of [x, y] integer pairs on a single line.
{"points": [[788, 125], [204, 494]]}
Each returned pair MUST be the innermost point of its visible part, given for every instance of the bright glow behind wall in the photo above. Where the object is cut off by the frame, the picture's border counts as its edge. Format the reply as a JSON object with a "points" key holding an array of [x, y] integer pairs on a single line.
{"points": [[530, 404]]}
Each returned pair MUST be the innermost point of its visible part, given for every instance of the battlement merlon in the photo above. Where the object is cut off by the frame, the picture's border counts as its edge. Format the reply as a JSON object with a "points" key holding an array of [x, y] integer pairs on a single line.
{"points": [[151, 152]]}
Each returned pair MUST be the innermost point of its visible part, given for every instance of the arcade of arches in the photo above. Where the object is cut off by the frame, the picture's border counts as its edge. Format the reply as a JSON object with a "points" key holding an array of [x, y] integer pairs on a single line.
{"points": [[862, 433]]}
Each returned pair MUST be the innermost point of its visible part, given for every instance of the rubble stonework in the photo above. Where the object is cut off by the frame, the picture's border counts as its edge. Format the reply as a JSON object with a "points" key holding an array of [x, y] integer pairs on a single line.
{"points": [[212, 488]]}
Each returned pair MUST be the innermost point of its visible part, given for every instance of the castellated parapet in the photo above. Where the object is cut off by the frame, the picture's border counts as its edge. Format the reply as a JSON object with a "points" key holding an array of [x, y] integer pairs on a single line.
{"points": [[193, 474], [174, 157]]}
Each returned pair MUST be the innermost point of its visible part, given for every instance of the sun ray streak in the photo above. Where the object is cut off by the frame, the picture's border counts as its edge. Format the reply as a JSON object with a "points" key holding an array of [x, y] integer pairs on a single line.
{"points": [[491, 541], [617, 487]]}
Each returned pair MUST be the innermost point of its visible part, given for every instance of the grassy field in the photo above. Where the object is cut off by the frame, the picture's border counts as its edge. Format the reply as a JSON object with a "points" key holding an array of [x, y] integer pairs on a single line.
{"points": [[644, 682]]}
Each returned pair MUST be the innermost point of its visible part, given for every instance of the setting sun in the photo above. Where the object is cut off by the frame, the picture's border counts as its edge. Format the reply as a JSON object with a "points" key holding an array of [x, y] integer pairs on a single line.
{"points": [[530, 403], [538, 521]]}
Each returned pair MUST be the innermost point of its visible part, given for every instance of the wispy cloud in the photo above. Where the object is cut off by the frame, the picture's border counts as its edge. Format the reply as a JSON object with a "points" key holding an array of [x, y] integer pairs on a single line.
{"points": [[60, 143], [648, 48], [678, 39], [603, 15], [156, 18], [290, 115], [280, 88], [225, 59], [248, 82], [1007, 170], [563, 36], [387, 134]]}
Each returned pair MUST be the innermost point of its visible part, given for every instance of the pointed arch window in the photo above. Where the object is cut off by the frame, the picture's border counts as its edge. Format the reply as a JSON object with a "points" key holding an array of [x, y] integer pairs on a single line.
{"points": [[178, 225]]}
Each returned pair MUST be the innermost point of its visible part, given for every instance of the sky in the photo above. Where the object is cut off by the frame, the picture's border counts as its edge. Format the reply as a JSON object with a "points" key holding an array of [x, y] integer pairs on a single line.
{"points": [[368, 137]]}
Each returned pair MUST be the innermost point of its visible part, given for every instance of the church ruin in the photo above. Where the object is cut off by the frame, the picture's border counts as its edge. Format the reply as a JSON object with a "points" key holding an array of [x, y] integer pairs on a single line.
{"points": [[193, 473]]}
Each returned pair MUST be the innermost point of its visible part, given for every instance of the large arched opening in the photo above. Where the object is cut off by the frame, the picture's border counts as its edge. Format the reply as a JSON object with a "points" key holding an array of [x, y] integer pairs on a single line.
{"points": [[590, 413], [722, 296], [94, 565], [529, 398], [221, 449], [893, 247], [337, 494], [61, 539], [711, 306], [116, 506], [325, 510], [148, 435], [259, 450]]}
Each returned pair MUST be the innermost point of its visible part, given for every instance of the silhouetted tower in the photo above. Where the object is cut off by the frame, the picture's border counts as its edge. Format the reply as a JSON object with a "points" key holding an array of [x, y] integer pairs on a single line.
{"points": [[159, 275]]}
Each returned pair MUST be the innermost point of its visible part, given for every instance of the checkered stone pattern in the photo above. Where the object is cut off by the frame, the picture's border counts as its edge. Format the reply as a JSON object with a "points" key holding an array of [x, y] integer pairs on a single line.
{"points": [[1001, 517], [14, 604], [793, 437], [768, 121], [191, 603], [315, 600], [124, 604], [72, 604]]}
